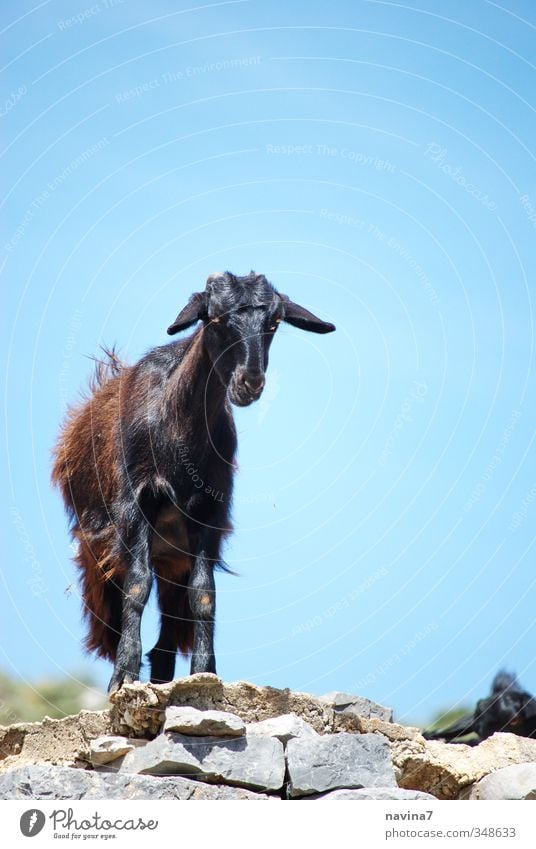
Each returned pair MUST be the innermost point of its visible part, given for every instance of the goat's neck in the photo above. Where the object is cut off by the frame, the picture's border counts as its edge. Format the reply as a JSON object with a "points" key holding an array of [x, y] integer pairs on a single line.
{"points": [[197, 390]]}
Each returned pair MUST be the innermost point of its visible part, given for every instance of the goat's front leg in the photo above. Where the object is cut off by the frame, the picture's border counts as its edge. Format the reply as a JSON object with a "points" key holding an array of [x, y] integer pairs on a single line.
{"points": [[202, 599], [136, 589]]}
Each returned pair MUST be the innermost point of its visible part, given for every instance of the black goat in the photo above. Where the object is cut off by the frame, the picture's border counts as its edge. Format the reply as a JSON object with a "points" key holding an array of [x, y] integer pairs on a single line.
{"points": [[145, 467], [507, 708]]}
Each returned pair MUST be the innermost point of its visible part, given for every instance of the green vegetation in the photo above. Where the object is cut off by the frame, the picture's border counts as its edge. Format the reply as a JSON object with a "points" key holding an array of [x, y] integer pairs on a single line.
{"points": [[30, 701], [447, 717]]}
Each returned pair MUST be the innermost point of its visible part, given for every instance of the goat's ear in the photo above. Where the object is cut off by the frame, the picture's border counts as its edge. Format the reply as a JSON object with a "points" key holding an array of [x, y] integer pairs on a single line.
{"points": [[195, 310], [302, 318]]}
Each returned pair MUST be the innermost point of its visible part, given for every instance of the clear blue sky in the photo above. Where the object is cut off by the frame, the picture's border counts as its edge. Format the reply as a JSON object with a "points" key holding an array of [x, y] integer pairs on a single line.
{"points": [[374, 160]]}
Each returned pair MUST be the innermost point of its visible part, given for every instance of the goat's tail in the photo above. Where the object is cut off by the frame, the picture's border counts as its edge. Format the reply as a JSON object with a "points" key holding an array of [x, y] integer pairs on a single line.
{"points": [[101, 576], [106, 368]]}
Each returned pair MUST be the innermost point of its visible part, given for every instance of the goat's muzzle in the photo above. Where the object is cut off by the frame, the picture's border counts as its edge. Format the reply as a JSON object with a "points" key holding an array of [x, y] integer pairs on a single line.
{"points": [[246, 387]]}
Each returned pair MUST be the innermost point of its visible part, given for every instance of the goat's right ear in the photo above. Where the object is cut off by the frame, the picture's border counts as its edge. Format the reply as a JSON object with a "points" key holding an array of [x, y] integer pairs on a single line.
{"points": [[195, 310]]}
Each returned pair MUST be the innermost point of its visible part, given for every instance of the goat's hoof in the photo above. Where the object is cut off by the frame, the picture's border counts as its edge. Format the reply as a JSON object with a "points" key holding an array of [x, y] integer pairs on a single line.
{"points": [[118, 679]]}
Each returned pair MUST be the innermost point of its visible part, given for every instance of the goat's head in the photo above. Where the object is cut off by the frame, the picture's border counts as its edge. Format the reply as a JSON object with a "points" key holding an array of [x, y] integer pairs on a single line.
{"points": [[240, 317]]}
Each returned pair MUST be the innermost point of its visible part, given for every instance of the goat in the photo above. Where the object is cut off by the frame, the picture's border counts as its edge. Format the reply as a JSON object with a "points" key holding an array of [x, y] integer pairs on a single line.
{"points": [[507, 708], [145, 467]]}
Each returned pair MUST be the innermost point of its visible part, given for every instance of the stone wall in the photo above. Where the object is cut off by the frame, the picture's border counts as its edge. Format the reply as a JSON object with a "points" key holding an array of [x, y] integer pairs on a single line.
{"points": [[198, 738]]}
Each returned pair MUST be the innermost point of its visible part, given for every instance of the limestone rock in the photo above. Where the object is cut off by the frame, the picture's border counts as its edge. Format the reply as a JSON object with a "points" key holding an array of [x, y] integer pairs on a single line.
{"points": [[404, 734], [45, 781], [138, 709], [201, 723], [334, 761], [511, 782], [256, 762], [372, 793], [273, 718], [445, 769], [104, 750], [357, 705], [59, 741], [285, 728]]}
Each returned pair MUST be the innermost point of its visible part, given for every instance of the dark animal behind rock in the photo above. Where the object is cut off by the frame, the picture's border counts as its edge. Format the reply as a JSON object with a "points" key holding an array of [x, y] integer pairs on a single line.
{"points": [[507, 708]]}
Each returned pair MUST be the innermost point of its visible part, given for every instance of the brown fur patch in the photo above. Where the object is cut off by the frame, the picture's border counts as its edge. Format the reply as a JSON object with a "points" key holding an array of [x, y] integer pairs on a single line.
{"points": [[102, 577], [86, 471]]}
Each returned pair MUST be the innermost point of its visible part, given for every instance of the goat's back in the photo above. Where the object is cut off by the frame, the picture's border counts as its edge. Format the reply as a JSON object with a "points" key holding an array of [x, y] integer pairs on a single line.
{"points": [[85, 455]]}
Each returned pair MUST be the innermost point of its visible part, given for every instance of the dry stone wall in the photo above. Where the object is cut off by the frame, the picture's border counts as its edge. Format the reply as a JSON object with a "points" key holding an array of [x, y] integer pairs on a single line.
{"points": [[200, 738]]}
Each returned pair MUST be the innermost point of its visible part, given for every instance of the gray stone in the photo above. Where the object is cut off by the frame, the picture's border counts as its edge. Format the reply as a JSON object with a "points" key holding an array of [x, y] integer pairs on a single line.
{"points": [[256, 762], [45, 781], [511, 782], [318, 764], [203, 723], [285, 728], [104, 750], [371, 793], [357, 705]]}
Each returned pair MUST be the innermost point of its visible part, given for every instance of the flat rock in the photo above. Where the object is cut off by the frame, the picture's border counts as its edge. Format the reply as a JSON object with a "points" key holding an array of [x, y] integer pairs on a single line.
{"points": [[104, 750], [372, 793], [334, 761], [285, 728], [357, 705], [45, 781], [511, 782], [256, 762], [202, 723]]}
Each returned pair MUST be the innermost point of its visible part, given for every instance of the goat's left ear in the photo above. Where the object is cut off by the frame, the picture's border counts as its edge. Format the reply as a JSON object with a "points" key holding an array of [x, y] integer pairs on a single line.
{"points": [[195, 310], [302, 318]]}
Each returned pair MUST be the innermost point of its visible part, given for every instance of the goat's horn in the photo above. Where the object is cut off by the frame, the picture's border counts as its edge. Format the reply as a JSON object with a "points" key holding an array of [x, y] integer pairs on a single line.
{"points": [[216, 275]]}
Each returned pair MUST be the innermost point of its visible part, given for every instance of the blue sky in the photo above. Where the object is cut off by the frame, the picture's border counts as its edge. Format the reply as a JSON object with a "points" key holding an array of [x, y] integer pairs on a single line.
{"points": [[373, 159]]}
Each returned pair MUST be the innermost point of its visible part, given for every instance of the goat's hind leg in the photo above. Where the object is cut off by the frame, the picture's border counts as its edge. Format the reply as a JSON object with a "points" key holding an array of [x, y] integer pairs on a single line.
{"points": [[176, 627]]}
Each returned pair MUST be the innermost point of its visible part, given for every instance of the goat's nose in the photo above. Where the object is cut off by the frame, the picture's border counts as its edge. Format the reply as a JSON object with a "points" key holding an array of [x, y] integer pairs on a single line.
{"points": [[253, 381]]}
